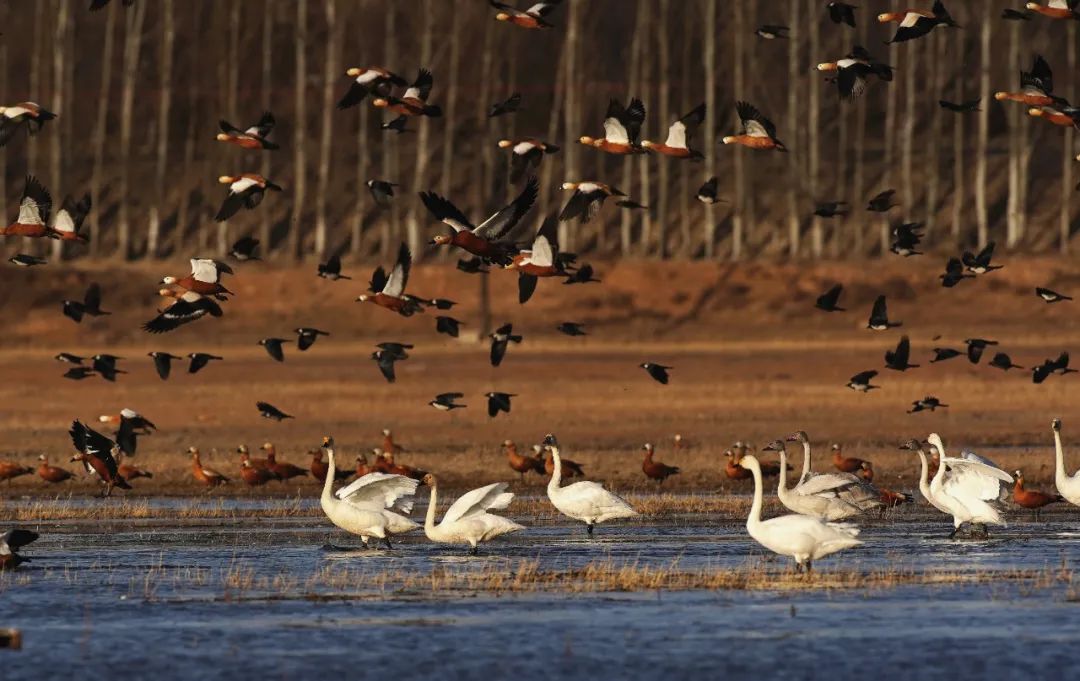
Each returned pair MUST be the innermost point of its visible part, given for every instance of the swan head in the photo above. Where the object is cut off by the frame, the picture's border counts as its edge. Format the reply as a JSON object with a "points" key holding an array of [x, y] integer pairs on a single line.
{"points": [[935, 441], [1056, 425], [800, 437], [327, 442], [774, 446], [749, 461], [550, 441], [428, 480], [912, 445]]}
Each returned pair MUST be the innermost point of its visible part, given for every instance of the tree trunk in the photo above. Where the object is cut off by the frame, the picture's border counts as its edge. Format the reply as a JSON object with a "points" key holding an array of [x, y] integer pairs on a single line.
{"points": [[296, 225], [423, 152], [56, 163], [1069, 150], [710, 28], [813, 129], [794, 43], [648, 83], [450, 98], [326, 131], [686, 187], [572, 117], [907, 131], [266, 86], [933, 162], [959, 93], [890, 149], [168, 39], [663, 49], [132, 44], [981, 215], [626, 217], [858, 180], [1012, 115], [3, 89], [387, 242]]}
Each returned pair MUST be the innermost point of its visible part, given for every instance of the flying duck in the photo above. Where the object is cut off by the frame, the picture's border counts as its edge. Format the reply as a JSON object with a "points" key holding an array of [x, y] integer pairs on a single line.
{"points": [[493, 238], [252, 138], [622, 125], [389, 291], [246, 190], [500, 339], [525, 156], [677, 144], [34, 207], [32, 115], [204, 279], [1036, 86], [758, 132], [539, 261], [97, 452], [530, 18], [1056, 9], [414, 101], [373, 79], [854, 71], [69, 219], [587, 199], [915, 23]]}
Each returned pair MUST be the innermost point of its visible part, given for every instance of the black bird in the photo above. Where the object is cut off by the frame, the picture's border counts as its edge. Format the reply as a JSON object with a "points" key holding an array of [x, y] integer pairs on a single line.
{"points": [[841, 13], [924, 24], [24, 260], [306, 336], [244, 249], [906, 238], [90, 305], [954, 273], [942, 354], [397, 125], [897, 359], [583, 275], [199, 360], [69, 358], [105, 365], [503, 336], [447, 325], [1015, 14], [1050, 296], [707, 193], [828, 301], [630, 204], [772, 31], [10, 542], [510, 105], [831, 209], [928, 403], [186, 309], [980, 264], [162, 363], [879, 317], [498, 402], [1042, 372], [398, 350], [385, 359], [269, 411], [969, 106], [442, 303], [273, 347], [446, 401], [571, 328], [473, 265], [382, 192], [1002, 361], [97, 454], [860, 382], [975, 347], [658, 372], [1061, 364], [244, 192], [882, 202], [332, 269], [78, 373]]}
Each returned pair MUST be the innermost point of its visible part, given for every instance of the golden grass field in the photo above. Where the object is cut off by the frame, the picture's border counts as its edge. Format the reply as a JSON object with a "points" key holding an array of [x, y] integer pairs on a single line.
{"points": [[752, 361]]}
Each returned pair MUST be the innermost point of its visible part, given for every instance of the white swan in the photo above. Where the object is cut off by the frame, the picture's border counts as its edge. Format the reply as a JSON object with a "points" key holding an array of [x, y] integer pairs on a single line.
{"points": [[467, 520], [368, 517], [968, 489], [802, 537], [826, 506], [1068, 486], [924, 482], [848, 487], [586, 501], [385, 493]]}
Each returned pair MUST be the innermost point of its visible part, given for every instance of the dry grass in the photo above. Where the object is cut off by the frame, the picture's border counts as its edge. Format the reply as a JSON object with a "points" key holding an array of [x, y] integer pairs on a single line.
{"points": [[132, 509]]}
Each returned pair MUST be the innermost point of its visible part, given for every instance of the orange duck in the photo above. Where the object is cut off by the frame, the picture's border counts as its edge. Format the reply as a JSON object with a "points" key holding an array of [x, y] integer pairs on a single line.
{"points": [[34, 207], [622, 125], [283, 471], [389, 291], [532, 18], [1027, 498], [97, 452], [915, 23], [362, 467], [757, 131], [31, 114], [570, 469], [1056, 9], [414, 101], [207, 476], [205, 278], [654, 470], [733, 470], [677, 144], [263, 464], [319, 468], [254, 477], [526, 154], [69, 220], [1065, 118], [128, 471], [10, 470], [492, 238], [51, 474], [540, 261], [400, 469], [521, 463], [845, 464], [866, 471], [388, 444], [892, 499], [1036, 86], [252, 138]]}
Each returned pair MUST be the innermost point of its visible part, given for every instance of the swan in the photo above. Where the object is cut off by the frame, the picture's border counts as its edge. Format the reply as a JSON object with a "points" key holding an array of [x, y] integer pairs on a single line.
{"points": [[968, 489], [924, 484], [586, 501], [368, 517], [1068, 486], [467, 520], [825, 506], [385, 493], [802, 537], [850, 488]]}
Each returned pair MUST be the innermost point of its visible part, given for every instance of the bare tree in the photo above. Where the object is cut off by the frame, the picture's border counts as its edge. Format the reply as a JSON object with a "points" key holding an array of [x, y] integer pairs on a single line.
{"points": [[266, 86], [3, 89], [709, 27], [450, 99], [907, 131], [390, 145], [326, 131], [858, 176], [572, 110], [1065, 205], [793, 117], [933, 163], [813, 127], [890, 149], [645, 80], [132, 44], [168, 39], [1012, 115], [686, 243], [296, 225], [958, 160], [981, 215], [626, 217], [60, 30], [663, 50], [423, 151]]}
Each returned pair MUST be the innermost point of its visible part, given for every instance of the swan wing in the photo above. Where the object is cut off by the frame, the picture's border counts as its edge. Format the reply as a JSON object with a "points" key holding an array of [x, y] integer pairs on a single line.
{"points": [[478, 501], [380, 490], [972, 456], [825, 482], [398, 524]]}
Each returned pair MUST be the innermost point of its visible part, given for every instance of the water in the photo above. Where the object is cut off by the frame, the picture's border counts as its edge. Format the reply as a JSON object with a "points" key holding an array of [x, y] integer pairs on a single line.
{"points": [[170, 599]]}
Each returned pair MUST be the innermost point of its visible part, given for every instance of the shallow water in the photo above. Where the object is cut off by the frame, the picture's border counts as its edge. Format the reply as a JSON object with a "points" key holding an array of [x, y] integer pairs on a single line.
{"points": [[197, 599]]}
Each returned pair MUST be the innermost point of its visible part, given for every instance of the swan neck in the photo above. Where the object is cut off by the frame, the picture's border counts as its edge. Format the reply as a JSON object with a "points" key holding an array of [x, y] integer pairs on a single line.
{"points": [[429, 519], [924, 483], [328, 484], [556, 473], [805, 460], [755, 509], [1059, 458], [940, 475], [782, 486]]}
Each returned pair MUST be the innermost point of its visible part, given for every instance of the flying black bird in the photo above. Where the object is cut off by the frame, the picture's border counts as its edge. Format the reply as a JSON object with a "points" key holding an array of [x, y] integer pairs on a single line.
{"points": [[841, 13], [382, 192], [658, 372], [860, 382], [882, 202], [954, 273], [772, 31], [583, 275], [1061, 364], [1015, 14], [162, 363], [630, 204], [24, 260], [510, 105], [443, 303], [879, 317], [332, 269], [975, 347], [269, 411], [105, 365], [571, 328], [78, 373], [187, 308], [473, 265], [1042, 372], [707, 193], [90, 305], [398, 350], [928, 403], [397, 125], [897, 359], [273, 347], [1002, 361], [199, 360], [906, 238], [385, 359], [980, 264], [942, 354], [498, 402], [969, 106], [1050, 296], [503, 336], [306, 336], [69, 358], [244, 249], [831, 209], [446, 401], [447, 325], [828, 301]]}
